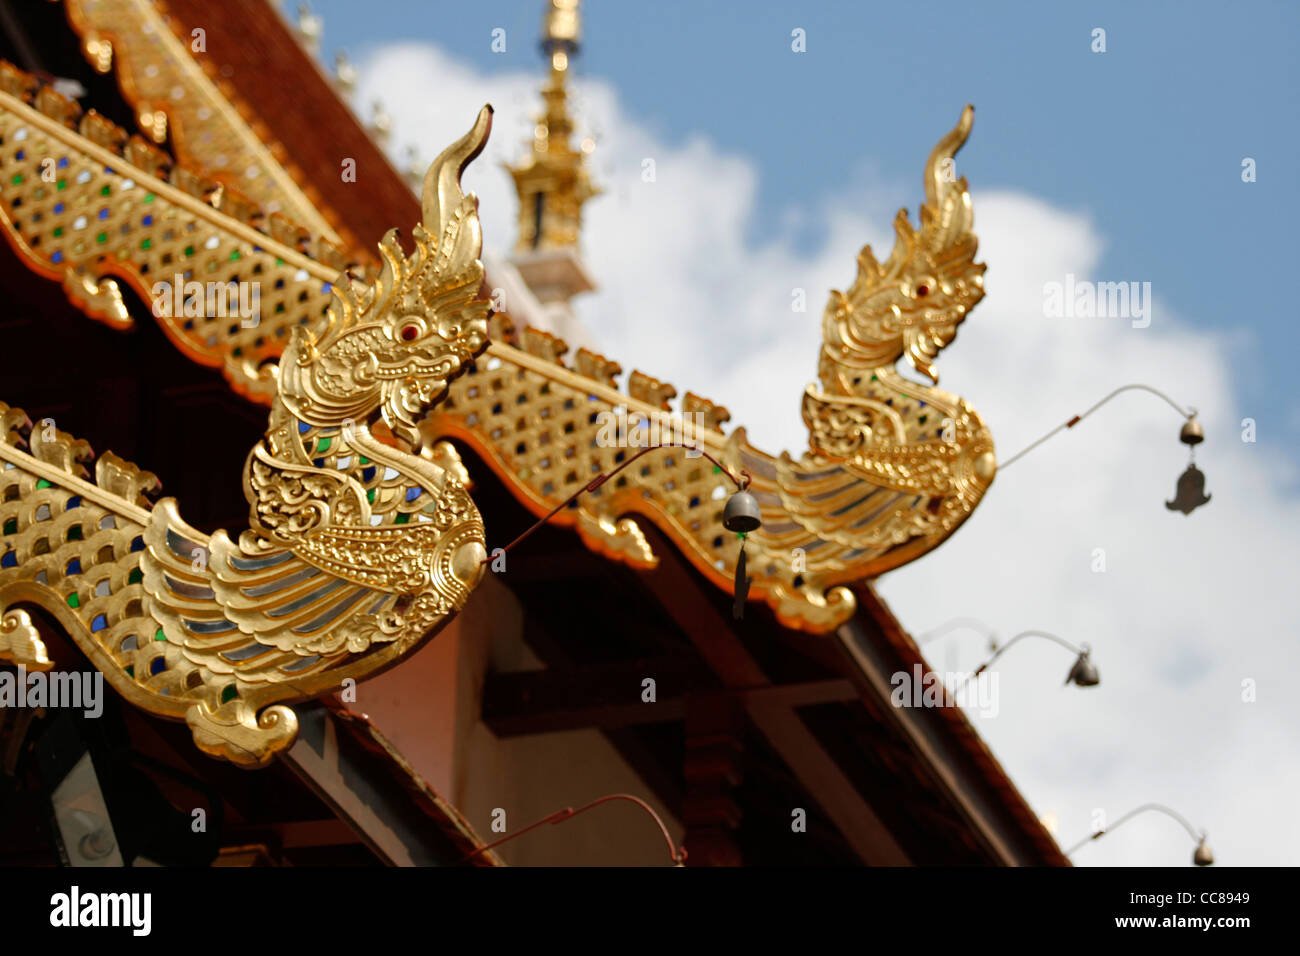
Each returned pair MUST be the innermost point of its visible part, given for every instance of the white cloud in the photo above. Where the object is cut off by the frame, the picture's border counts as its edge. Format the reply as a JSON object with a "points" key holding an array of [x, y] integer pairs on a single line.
{"points": [[1188, 607]]}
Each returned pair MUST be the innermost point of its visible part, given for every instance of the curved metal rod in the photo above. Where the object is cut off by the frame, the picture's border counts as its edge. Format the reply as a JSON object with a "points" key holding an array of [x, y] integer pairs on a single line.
{"points": [[677, 853], [970, 623], [1081, 649], [1186, 413], [1160, 807], [741, 484]]}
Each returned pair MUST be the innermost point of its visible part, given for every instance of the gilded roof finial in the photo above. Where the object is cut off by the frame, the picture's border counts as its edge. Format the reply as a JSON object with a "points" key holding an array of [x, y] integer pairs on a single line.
{"points": [[563, 32], [552, 182]]}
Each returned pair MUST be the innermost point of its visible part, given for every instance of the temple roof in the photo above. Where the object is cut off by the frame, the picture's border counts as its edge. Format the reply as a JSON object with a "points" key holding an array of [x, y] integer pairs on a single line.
{"points": [[909, 470]]}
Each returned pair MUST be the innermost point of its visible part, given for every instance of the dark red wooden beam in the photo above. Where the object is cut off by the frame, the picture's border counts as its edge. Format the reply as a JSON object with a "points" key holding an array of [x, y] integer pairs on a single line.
{"points": [[609, 696], [596, 695]]}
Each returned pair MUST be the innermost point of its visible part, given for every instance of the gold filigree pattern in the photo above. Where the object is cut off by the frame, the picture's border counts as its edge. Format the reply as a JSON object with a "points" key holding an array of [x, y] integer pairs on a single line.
{"points": [[77, 211], [168, 86], [358, 548]]}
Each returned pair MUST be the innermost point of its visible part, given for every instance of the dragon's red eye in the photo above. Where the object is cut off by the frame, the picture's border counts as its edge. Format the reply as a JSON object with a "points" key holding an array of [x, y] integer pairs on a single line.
{"points": [[410, 332], [922, 290]]}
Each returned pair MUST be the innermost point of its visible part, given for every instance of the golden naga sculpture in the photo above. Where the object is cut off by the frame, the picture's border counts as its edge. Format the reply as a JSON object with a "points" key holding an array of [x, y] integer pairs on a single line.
{"points": [[893, 467], [357, 551]]}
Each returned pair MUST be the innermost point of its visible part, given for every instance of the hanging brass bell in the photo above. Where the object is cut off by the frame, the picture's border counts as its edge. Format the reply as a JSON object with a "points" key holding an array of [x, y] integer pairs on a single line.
{"points": [[1191, 433], [741, 513], [1191, 483], [742, 516]]}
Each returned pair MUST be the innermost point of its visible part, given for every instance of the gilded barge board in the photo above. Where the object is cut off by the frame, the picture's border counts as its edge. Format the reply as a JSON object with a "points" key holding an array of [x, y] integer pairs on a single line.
{"points": [[893, 466], [80, 213], [157, 73]]}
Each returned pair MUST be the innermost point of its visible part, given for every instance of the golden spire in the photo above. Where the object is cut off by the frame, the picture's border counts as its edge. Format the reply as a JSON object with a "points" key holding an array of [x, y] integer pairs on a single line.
{"points": [[553, 183]]}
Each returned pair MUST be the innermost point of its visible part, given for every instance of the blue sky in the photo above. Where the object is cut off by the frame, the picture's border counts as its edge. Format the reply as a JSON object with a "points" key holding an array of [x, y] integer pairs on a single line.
{"points": [[1146, 140], [775, 168]]}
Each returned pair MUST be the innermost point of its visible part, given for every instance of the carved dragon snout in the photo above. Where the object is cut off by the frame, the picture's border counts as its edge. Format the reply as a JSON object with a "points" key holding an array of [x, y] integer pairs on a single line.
{"points": [[912, 304], [396, 343]]}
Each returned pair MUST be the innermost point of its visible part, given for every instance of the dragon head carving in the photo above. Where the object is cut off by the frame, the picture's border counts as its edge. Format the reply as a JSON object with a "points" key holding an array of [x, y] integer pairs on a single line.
{"points": [[358, 549], [392, 346], [913, 303]]}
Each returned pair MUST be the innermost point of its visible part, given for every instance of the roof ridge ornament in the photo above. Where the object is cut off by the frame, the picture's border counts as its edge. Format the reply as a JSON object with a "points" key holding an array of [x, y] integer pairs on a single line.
{"points": [[892, 467]]}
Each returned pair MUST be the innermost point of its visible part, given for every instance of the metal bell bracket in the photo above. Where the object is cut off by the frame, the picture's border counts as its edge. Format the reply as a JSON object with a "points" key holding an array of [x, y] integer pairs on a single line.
{"points": [[741, 483], [1191, 484]]}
